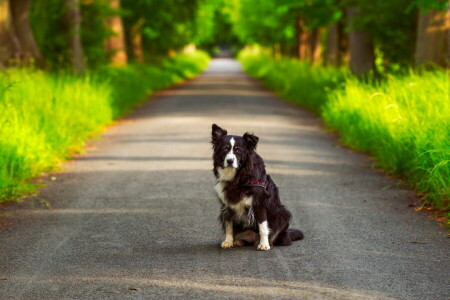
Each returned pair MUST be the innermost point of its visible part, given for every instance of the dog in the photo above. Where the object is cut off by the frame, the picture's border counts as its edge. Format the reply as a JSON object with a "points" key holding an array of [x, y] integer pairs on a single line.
{"points": [[251, 210]]}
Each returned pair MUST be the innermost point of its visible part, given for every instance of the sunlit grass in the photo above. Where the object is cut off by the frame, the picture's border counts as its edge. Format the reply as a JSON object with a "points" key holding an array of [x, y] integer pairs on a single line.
{"points": [[404, 120], [46, 117], [293, 78]]}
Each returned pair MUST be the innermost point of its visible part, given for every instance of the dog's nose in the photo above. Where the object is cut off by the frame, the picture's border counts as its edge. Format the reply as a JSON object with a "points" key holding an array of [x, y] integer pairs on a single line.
{"points": [[230, 161]]}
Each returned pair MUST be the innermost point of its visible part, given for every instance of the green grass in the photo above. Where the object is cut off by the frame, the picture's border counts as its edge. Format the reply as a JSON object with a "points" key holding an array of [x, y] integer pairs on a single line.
{"points": [[293, 79], [46, 117], [404, 120]]}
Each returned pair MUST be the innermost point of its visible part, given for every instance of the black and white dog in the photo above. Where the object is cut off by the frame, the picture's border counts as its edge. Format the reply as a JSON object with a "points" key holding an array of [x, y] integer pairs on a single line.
{"points": [[251, 209]]}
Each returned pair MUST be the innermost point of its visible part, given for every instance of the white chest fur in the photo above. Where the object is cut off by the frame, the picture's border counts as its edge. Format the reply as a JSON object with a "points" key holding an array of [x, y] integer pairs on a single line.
{"points": [[243, 209], [220, 193]]}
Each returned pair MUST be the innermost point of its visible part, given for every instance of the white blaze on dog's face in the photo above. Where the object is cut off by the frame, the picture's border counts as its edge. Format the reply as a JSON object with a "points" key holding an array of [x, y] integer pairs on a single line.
{"points": [[231, 160], [230, 151]]}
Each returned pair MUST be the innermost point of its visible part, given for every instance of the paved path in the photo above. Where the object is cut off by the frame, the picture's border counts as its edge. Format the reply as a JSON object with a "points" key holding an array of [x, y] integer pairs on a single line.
{"points": [[136, 217]]}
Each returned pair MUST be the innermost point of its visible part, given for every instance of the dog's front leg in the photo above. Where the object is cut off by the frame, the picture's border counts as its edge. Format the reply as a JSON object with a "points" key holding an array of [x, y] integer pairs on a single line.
{"points": [[264, 230], [229, 241]]}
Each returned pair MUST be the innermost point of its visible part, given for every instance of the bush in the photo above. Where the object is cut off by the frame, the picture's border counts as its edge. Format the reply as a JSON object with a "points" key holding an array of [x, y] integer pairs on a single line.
{"points": [[44, 117], [404, 121]]}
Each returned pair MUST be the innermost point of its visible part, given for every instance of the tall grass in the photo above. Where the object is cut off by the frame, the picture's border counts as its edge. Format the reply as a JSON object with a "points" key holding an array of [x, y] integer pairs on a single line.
{"points": [[404, 121], [45, 117], [296, 80]]}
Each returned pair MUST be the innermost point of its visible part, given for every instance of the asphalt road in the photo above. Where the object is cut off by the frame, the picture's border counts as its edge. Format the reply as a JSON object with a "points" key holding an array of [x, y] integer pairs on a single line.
{"points": [[136, 216]]}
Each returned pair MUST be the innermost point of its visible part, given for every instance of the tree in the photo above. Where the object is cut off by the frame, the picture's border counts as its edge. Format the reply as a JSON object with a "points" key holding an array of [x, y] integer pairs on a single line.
{"points": [[362, 56], [9, 44], [115, 45], [433, 37], [168, 25], [135, 42], [20, 12], [336, 44], [75, 46]]}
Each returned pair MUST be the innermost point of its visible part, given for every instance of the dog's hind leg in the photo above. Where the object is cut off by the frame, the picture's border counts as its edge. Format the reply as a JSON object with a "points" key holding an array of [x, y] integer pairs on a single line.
{"points": [[246, 237]]}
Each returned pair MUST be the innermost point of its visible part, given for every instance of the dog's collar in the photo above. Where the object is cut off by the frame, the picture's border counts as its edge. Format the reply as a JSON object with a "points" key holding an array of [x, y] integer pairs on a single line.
{"points": [[256, 183]]}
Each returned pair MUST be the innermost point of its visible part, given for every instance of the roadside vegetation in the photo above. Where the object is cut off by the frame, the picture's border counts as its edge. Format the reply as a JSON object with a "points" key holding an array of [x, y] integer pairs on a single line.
{"points": [[68, 68], [375, 71], [403, 120], [46, 117]]}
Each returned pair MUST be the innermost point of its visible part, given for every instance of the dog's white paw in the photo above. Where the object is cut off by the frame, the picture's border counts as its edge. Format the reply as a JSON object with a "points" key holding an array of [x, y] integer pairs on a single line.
{"points": [[227, 244], [263, 247]]}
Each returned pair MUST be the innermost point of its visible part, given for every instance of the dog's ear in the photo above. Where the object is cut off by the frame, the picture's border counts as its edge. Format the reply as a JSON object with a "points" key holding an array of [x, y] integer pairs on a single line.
{"points": [[251, 140], [217, 133]]}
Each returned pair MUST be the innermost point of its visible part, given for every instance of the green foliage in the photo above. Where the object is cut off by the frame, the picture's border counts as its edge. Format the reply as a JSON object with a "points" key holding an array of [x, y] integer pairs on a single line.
{"points": [[46, 117], [213, 26], [274, 21], [47, 23], [50, 28], [403, 121], [392, 26], [430, 4], [168, 25], [313, 84]]}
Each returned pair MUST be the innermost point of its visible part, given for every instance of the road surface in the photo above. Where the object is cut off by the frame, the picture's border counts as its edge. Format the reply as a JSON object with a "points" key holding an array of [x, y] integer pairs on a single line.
{"points": [[136, 216]]}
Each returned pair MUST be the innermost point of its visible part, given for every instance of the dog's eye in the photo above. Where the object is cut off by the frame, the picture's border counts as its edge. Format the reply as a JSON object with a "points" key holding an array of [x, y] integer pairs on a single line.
{"points": [[237, 150], [226, 149]]}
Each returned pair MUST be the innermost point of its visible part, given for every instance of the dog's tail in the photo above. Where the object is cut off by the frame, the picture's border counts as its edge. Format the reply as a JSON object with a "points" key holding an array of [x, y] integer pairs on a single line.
{"points": [[295, 234], [286, 238]]}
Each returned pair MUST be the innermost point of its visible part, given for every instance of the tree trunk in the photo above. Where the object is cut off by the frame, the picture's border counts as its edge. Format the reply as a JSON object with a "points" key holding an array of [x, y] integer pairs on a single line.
{"points": [[136, 41], [433, 38], [336, 45], [20, 12], [276, 51], [116, 43], [343, 44], [362, 57], [75, 45], [302, 38], [315, 45], [10, 48], [332, 51]]}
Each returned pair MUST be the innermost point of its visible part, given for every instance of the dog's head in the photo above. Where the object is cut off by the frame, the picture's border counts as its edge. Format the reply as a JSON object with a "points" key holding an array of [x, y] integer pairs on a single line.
{"points": [[231, 151]]}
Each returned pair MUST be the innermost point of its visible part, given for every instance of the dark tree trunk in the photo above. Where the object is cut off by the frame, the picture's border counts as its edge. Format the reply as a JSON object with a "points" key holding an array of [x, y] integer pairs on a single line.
{"points": [[315, 45], [343, 45], [136, 41], [20, 12], [116, 43], [10, 48], [336, 45], [433, 38], [75, 45], [362, 57], [332, 51], [302, 39]]}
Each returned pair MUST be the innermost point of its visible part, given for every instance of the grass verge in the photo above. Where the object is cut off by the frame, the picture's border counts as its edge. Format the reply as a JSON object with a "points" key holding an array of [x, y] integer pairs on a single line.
{"points": [[404, 120], [45, 117]]}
